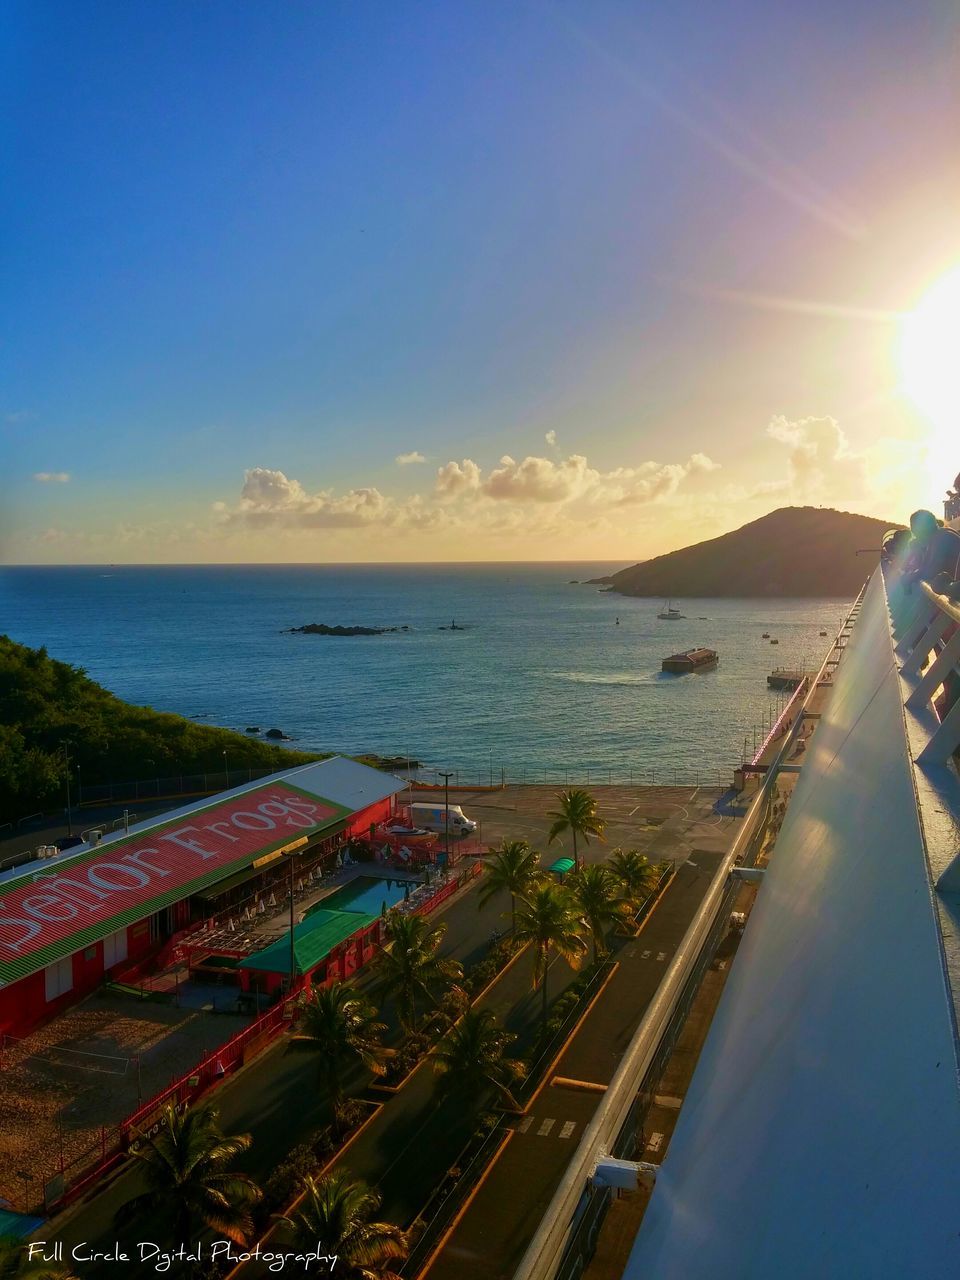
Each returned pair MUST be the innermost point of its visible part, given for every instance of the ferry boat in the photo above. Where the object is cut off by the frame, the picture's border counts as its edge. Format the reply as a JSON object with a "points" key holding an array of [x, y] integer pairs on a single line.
{"points": [[670, 612], [690, 660]]}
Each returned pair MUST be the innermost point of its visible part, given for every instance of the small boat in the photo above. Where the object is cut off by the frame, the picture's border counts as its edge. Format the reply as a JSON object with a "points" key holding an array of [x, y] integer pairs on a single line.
{"points": [[670, 612], [774, 641], [690, 660], [765, 636], [823, 633]]}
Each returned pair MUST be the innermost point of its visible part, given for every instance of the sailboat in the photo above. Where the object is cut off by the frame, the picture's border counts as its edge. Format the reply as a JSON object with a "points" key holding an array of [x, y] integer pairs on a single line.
{"points": [[670, 612]]}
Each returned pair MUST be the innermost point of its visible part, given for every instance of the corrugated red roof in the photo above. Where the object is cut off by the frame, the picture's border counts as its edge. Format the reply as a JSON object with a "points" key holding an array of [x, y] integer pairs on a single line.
{"points": [[51, 913]]}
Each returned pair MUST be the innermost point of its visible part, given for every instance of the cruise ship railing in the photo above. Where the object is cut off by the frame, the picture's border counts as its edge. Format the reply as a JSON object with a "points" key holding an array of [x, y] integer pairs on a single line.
{"points": [[546, 1251], [926, 628]]}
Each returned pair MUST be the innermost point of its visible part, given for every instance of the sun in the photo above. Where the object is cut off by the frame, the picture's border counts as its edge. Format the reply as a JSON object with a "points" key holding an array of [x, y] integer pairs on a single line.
{"points": [[930, 359]]}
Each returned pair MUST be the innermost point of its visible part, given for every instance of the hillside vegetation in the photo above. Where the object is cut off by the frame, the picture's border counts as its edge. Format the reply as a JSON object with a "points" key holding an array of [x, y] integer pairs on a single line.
{"points": [[48, 707], [796, 551]]}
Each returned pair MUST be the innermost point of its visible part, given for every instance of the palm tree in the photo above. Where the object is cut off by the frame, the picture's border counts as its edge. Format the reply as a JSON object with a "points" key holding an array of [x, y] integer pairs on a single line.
{"points": [[601, 903], [15, 1262], [471, 1059], [636, 875], [578, 815], [513, 867], [334, 1218], [411, 966], [341, 1026], [185, 1168], [550, 920]]}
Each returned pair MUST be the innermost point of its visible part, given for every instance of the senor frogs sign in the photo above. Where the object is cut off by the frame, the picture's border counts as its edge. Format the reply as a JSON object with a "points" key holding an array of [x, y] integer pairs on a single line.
{"points": [[127, 879]]}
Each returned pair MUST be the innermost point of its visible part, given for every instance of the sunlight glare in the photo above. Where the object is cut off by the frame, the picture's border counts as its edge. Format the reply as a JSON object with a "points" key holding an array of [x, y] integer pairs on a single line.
{"points": [[930, 357]]}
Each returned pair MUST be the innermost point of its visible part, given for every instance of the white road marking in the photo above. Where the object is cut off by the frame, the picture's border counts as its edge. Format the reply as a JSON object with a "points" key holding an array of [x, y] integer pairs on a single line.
{"points": [[567, 1129], [661, 955], [655, 1143], [545, 1128], [633, 811], [722, 964], [524, 1124], [645, 955]]}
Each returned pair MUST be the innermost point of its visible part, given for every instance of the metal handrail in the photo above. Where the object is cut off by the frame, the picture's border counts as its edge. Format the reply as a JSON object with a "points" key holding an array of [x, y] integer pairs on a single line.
{"points": [[545, 1251]]}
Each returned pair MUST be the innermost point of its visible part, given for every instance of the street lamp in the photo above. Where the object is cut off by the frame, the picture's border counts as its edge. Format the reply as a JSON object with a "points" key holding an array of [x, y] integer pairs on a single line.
{"points": [[66, 756], [290, 854], [446, 816], [226, 771]]}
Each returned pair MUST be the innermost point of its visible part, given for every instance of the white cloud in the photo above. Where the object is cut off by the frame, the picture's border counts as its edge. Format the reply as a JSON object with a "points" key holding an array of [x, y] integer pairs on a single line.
{"points": [[406, 459], [540, 479], [820, 461], [531, 497], [551, 437], [269, 497], [52, 477], [455, 479]]}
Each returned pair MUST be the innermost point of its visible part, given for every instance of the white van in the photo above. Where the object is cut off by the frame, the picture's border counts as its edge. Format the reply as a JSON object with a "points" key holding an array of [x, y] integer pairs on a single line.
{"points": [[435, 817]]}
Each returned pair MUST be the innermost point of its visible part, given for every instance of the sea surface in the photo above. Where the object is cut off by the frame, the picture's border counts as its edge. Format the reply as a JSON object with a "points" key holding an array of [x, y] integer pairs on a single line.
{"points": [[542, 683]]}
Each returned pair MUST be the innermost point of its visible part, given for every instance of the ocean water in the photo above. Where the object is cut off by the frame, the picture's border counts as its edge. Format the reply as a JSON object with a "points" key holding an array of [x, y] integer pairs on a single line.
{"points": [[541, 683]]}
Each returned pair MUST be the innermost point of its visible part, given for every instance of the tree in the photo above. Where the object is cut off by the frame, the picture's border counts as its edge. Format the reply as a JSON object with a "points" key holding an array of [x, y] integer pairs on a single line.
{"points": [[636, 875], [185, 1168], [550, 921], [411, 967], [341, 1027], [600, 901], [15, 1263], [471, 1059], [514, 867], [578, 815], [335, 1218]]}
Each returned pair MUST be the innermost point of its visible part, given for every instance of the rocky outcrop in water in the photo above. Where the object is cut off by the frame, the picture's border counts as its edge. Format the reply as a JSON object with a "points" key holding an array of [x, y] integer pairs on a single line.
{"points": [[321, 629]]}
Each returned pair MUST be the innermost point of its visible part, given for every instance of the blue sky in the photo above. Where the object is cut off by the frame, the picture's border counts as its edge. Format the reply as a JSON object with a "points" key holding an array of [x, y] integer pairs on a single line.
{"points": [[254, 252]]}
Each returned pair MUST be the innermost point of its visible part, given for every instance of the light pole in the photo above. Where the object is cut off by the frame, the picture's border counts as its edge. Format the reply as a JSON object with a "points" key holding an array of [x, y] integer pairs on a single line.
{"points": [[446, 817], [69, 810], [293, 955], [226, 772]]}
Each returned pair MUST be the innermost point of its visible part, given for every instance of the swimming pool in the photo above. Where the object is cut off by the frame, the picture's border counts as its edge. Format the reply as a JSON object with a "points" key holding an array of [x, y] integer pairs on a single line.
{"points": [[365, 893]]}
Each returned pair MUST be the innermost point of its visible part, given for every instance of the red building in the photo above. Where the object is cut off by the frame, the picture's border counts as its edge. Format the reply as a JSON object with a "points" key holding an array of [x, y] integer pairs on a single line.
{"points": [[69, 922]]}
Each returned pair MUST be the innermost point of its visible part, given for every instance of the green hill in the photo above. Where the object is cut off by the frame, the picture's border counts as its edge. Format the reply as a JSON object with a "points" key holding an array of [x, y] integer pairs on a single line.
{"points": [[795, 551], [47, 706]]}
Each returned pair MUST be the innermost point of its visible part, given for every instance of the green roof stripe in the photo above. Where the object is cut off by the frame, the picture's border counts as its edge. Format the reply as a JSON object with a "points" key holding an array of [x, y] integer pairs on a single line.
{"points": [[20, 967]]}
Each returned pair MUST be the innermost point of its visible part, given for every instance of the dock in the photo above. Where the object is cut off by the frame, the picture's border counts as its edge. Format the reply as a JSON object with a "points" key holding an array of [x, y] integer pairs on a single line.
{"points": [[781, 678]]}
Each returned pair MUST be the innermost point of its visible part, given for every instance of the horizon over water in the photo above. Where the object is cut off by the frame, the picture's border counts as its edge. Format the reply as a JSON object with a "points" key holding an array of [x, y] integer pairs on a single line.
{"points": [[542, 679]]}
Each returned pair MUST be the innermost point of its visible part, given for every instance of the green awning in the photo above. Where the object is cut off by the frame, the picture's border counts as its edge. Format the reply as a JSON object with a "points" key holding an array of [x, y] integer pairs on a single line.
{"points": [[561, 866], [313, 940]]}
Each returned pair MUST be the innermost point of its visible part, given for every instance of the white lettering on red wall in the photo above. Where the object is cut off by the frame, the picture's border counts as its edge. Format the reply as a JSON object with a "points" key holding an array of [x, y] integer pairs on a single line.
{"points": [[131, 872]]}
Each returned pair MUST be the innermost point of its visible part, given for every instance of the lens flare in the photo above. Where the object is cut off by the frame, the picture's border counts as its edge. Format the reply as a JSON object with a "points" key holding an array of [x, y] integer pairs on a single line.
{"points": [[930, 359]]}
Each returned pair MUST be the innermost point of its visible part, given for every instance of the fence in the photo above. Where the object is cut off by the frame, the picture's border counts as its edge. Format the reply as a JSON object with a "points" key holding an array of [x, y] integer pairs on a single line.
{"points": [[91, 1164], [447, 891]]}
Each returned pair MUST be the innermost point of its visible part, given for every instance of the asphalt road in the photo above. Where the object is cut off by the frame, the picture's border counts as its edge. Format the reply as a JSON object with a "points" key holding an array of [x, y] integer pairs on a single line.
{"points": [[492, 1235]]}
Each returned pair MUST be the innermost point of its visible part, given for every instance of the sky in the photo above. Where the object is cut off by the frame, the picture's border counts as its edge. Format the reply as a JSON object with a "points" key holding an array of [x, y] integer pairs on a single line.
{"points": [[341, 280]]}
